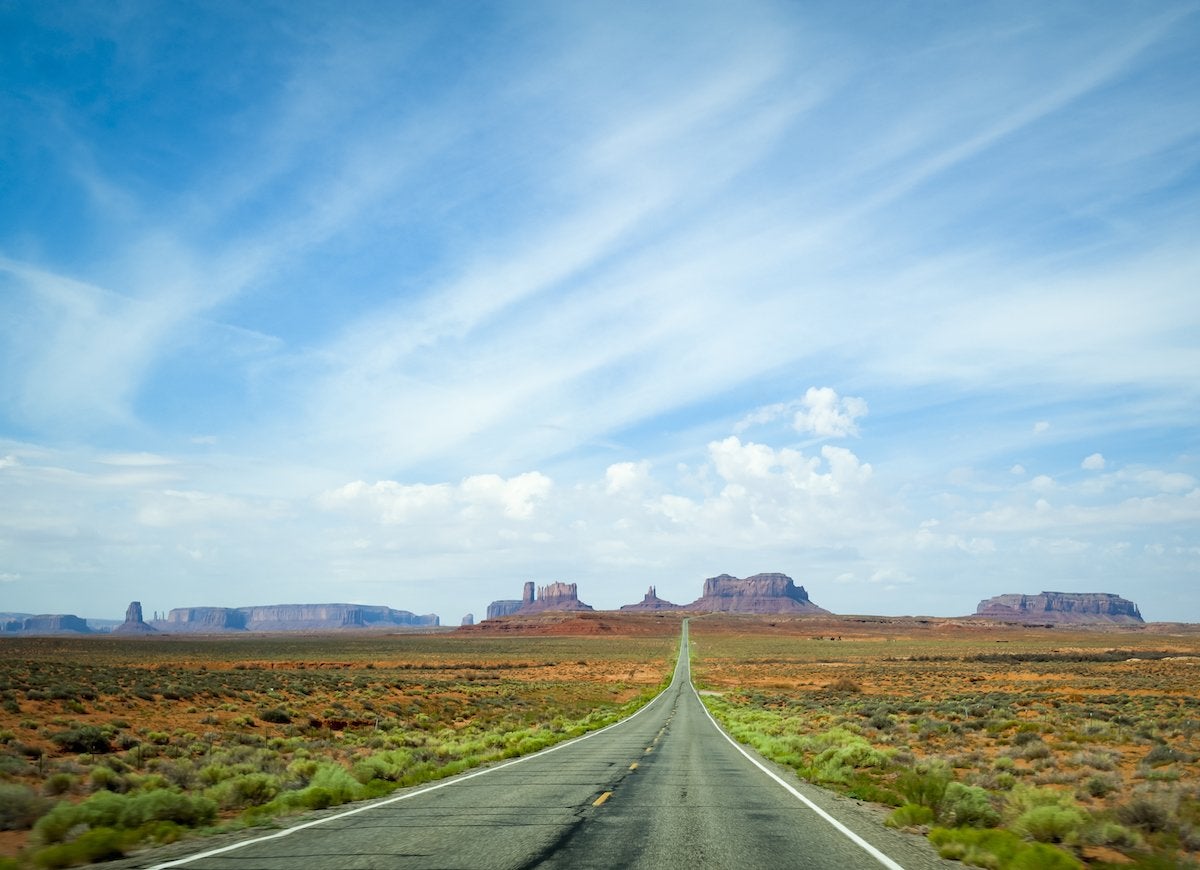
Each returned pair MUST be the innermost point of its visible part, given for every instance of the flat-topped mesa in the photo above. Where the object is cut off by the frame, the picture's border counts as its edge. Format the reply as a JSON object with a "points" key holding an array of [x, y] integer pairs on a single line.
{"points": [[47, 623], [762, 593], [651, 601], [291, 617], [134, 624], [1062, 607]]}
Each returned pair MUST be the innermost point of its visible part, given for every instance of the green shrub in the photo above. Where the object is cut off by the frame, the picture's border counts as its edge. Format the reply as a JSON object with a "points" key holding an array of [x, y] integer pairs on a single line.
{"points": [[1147, 811], [97, 844], [925, 785], [108, 810], [58, 783], [276, 715], [967, 806], [999, 849], [106, 779], [1051, 824], [20, 807], [247, 790], [910, 816], [87, 738], [389, 766]]}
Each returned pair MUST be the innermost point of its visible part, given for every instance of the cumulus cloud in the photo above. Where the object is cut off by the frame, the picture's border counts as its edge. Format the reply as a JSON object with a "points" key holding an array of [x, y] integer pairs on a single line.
{"points": [[1095, 462], [825, 415], [626, 477], [1041, 426]]}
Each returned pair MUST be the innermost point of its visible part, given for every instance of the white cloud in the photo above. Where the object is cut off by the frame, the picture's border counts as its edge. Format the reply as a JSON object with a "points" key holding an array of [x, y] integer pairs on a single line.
{"points": [[1094, 462], [626, 477], [826, 415], [474, 497], [1041, 426]]}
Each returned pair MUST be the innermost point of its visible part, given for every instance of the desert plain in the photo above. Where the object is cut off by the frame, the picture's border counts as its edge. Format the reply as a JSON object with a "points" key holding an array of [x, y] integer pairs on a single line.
{"points": [[1006, 745]]}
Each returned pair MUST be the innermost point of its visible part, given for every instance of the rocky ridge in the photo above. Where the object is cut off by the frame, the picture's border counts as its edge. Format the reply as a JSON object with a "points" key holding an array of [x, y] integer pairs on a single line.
{"points": [[290, 617]]}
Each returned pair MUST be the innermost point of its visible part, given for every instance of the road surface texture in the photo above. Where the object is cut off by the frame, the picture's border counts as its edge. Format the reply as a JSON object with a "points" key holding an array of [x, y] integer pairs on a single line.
{"points": [[663, 789]]}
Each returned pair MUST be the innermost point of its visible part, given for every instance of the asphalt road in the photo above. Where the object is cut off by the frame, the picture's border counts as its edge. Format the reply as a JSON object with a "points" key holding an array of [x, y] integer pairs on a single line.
{"points": [[663, 789]]}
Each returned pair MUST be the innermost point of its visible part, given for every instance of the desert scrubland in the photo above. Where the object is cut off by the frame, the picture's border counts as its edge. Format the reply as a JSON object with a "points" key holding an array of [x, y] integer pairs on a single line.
{"points": [[108, 744], [1010, 746], [1021, 747]]}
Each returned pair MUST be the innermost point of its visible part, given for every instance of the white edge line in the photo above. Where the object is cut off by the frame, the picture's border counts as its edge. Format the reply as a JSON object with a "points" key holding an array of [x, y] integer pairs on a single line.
{"points": [[871, 850], [179, 862]]}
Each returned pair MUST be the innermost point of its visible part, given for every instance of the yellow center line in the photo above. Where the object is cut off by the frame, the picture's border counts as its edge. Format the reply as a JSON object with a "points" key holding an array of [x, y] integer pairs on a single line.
{"points": [[633, 766], [602, 799]]}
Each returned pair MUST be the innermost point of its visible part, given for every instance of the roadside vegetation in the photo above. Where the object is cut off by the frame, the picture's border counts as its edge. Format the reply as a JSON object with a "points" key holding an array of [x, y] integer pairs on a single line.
{"points": [[1008, 747], [108, 745]]}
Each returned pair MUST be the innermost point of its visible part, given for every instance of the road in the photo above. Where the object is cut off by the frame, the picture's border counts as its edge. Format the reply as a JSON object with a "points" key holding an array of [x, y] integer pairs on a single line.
{"points": [[663, 789]]}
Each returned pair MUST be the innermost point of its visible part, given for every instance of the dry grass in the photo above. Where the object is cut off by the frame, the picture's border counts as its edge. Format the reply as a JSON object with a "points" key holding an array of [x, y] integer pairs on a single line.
{"points": [[262, 725], [1105, 722]]}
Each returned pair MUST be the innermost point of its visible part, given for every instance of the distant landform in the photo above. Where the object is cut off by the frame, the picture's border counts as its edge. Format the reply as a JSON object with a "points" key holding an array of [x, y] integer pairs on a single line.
{"points": [[1070, 608], [289, 617], [770, 593], [762, 593]]}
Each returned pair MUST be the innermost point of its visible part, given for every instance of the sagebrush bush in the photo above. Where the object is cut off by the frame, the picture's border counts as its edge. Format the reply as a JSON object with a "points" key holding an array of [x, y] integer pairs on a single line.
{"points": [[926, 784], [910, 816], [246, 790], [967, 806], [20, 806], [998, 848], [1051, 824], [86, 738]]}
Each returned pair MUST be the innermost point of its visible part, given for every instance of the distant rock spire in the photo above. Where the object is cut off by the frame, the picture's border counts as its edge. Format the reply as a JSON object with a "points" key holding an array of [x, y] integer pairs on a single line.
{"points": [[134, 624]]}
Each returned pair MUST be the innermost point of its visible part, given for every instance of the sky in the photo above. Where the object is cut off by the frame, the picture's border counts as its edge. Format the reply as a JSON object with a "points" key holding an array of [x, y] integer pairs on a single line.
{"points": [[408, 303]]}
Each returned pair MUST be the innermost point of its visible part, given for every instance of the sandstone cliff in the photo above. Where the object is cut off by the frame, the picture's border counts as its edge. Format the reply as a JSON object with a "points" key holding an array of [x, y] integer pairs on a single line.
{"points": [[762, 593], [291, 617], [651, 601], [1061, 607]]}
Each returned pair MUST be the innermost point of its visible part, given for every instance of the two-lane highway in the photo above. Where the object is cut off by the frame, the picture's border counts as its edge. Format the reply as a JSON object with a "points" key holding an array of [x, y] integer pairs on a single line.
{"points": [[663, 789]]}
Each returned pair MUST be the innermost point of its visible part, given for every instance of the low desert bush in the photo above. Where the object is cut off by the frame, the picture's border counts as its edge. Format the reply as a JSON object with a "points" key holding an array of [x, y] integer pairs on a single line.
{"points": [[20, 807], [1148, 811], [999, 849], [1051, 824], [910, 816], [245, 790], [86, 738], [925, 785], [967, 806]]}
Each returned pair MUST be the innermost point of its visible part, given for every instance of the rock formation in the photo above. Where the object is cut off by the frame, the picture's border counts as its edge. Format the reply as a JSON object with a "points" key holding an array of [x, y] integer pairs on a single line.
{"points": [[652, 602], [134, 624], [762, 593], [1061, 607], [469, 619], [556, 596], [291, 617], [552, 596], [46, 623]]}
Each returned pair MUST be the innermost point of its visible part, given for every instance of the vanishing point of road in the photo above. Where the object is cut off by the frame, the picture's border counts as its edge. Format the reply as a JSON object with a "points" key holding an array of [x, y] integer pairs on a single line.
{"points": [[665, 788]]}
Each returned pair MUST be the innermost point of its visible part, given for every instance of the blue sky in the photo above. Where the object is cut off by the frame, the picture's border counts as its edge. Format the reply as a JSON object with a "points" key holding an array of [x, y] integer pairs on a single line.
{"points": [[407, 303]]}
